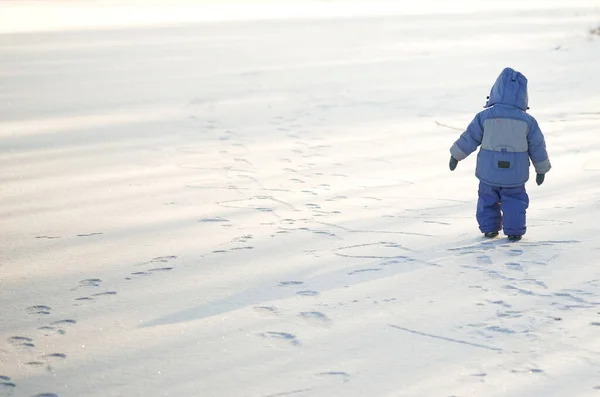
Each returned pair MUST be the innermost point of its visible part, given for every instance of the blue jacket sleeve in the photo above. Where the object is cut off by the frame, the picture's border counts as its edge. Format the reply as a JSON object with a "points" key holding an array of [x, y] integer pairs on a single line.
{"points": [[469, 140], [537, 149]]}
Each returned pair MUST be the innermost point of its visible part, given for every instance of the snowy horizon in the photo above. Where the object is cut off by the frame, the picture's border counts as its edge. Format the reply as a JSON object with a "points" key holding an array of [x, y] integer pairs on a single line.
{"points": [[56, 15]]}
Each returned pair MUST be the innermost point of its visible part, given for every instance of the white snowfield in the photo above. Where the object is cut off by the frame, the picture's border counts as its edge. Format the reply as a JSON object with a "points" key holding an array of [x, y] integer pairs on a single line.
{"points": [[262, 207]]}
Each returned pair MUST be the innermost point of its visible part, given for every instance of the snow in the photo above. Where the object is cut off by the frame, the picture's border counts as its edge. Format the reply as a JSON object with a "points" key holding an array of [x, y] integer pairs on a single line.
{"points": [[259, 203]]}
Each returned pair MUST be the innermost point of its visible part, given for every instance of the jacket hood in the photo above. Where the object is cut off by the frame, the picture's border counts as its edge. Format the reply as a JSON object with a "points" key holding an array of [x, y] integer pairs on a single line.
{"points": [[510, 88]]}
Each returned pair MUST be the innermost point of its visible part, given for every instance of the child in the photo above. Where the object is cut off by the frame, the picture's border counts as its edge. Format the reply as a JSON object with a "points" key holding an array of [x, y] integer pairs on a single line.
{"points": [[509, 137]]}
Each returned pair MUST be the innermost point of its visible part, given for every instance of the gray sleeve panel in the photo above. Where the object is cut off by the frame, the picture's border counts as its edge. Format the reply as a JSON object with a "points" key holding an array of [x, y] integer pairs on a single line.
{"points": [[542, 167], [508, 134], [457, 153]]}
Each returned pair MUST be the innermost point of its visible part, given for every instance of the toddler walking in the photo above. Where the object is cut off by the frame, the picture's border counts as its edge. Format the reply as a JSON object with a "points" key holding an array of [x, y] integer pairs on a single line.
{"points": [[509, 137]]}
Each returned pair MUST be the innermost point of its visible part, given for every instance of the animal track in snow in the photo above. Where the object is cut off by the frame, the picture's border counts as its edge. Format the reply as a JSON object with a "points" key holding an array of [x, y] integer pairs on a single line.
{"points": [[39, 309], [46, 395]]}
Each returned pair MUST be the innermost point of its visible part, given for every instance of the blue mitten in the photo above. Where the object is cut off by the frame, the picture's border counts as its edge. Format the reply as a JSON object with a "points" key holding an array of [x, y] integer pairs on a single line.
{"points": [[454, 163], [539, 179]]}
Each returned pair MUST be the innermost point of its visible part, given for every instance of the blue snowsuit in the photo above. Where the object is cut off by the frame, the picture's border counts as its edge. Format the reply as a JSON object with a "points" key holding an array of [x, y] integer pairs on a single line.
{"points": [[509, 137]]}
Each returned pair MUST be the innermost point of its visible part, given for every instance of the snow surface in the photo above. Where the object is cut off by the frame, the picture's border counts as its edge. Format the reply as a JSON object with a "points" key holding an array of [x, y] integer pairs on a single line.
{"points": [[264, 208]]}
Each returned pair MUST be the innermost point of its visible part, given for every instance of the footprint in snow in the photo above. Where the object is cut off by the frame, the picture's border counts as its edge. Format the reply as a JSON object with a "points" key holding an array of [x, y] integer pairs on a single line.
{"points": [[528, 371], [484, 260], [93, 297], [363, 271], [57, 327], [502, 330], [315, 318], [108, 293], [307, 293], [21, 341], [290, 283], [479, 375], [268, 310], [217, 219], [46, 395], [509, 314], [53, 357], [39, 309], [163, 259], [148, 272], [515, 252], [90, 282], [281, 336], [342, 376], [514, 266], [36, 364], [6, 383]]}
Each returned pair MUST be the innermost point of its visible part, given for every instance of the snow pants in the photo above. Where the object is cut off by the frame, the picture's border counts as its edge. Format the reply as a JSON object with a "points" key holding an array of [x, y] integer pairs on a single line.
{"points": [[502, 206]]}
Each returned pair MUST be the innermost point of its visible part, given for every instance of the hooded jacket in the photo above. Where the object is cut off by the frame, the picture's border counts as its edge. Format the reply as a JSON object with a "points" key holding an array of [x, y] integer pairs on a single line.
{"points": [[509, 137]]}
